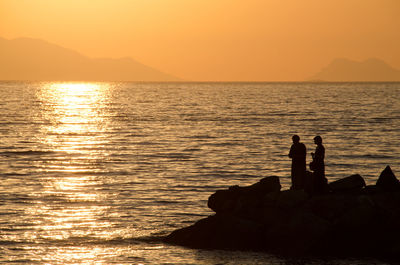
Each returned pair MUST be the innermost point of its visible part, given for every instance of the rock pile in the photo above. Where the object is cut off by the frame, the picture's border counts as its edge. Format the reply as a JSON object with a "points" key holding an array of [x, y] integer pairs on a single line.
{"points": [[352, 219]]}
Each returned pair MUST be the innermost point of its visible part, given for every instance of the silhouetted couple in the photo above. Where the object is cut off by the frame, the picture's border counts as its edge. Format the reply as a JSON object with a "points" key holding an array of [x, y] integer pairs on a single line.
{"points": [[301, 179]]}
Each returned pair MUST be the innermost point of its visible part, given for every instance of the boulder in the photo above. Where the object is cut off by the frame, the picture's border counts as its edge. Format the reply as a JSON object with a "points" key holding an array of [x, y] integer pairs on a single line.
{"points": [[358, 231], [270, 198], [266, 185], [357, 218], [388, 181], [330, 206], [351, 220], [249, 207], [351, 183], [220, 232], [372, 189], [393, 252], [223, 201], [289, 199], [392, 232], [388, 201], [297, 235]]}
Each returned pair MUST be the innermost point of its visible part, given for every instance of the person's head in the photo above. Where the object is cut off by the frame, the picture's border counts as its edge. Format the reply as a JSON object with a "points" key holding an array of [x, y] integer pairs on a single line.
{"points": [[317, 139], [295, 139]]}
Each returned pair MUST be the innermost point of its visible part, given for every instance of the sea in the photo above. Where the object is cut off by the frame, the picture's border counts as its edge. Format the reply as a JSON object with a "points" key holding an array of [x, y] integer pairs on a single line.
{"points": [[99, 172]]}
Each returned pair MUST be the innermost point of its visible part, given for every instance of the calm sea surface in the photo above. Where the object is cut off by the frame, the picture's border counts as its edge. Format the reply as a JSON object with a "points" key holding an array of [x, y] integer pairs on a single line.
{"points": [[96, 173]]}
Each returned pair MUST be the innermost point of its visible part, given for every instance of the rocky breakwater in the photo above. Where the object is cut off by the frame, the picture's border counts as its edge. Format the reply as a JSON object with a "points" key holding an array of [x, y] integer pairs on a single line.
{"points": [[351, 220]]}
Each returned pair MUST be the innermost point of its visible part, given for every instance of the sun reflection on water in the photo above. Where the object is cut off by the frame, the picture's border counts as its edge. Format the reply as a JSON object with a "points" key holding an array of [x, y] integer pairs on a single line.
{"points": [[76, 114], [71, 206]]}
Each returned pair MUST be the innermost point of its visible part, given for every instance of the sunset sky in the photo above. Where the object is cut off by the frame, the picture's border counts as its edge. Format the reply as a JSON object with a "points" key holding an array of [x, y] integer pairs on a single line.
{"points": [[215, 40]]}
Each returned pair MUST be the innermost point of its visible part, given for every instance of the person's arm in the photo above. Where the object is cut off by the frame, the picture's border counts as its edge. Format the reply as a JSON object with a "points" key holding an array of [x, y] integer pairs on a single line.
{"points": [[291, 152]]}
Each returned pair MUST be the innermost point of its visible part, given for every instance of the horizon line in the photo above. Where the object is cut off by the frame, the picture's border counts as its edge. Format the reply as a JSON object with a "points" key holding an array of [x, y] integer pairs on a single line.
{"points": [[194, 81]]}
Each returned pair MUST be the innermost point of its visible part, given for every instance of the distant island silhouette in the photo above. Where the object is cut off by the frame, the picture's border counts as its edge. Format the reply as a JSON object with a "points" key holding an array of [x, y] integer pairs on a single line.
{"points": [[35, 59], [345, 70]]}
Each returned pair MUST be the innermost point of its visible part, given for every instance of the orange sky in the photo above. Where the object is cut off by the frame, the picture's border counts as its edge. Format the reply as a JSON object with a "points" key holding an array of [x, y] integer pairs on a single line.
{"points": [[215, 40]]}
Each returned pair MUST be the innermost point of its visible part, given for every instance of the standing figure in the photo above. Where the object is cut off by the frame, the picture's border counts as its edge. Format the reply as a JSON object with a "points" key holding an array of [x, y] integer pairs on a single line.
{"points": [[318, 166], [298, 154]]}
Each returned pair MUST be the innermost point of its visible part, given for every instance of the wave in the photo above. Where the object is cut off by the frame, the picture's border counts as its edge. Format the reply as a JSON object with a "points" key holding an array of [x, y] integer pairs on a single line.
{"points": [[27, 153], [177, 156], [200, 137], [362, 156], [90, 240]]}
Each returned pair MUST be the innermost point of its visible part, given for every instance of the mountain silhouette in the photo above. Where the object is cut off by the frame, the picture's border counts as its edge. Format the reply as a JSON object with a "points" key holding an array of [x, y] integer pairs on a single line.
{"points": [[34, 59], [370, 70]]}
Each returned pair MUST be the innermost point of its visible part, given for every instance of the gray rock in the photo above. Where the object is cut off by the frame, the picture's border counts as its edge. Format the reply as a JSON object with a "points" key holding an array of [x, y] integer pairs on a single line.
{"points": [[291, 198], [223, 201], [388, 181], [265, 185], [220, 232], [351, 220], [351, 183], [372, 189], [330, 206], [388, 201], [298, 234], [357, 218]]}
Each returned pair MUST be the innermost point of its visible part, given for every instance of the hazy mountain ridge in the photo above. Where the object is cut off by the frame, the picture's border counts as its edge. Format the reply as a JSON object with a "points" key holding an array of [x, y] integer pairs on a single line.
{"points": [[370, 70], [34, 59]]}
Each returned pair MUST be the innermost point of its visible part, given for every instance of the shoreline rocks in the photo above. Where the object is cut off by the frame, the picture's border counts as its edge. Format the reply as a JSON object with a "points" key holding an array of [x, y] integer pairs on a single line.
{"points": [[350, 220]]}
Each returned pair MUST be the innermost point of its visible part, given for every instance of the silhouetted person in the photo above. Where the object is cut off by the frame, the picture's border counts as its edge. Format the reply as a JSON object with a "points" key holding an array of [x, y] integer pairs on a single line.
{"points": [[298, 154], [318, 166]]}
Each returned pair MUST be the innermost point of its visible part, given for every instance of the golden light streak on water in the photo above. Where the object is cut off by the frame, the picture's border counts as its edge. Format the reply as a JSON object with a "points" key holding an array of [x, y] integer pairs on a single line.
{"points": [[76, 123], [75, 114]]}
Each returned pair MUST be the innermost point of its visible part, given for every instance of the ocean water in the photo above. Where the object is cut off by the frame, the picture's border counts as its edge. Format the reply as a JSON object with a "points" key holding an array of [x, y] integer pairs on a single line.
{"points": [[96, 173]]}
